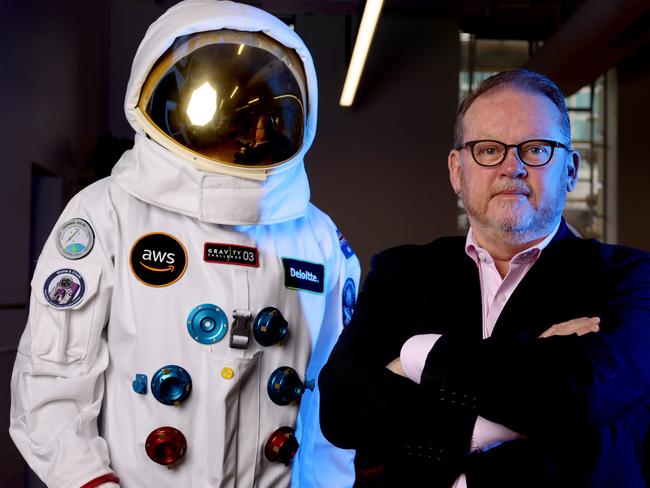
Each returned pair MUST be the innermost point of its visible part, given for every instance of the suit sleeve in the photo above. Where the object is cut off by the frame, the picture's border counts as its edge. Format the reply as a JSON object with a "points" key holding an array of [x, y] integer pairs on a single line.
{"points": [[365, 406], [57, 383], [318, 463]]}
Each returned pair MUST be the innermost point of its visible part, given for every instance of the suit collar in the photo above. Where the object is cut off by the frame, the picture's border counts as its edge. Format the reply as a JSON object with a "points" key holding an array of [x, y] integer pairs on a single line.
{"points": [[563, 232], [526, 313]]}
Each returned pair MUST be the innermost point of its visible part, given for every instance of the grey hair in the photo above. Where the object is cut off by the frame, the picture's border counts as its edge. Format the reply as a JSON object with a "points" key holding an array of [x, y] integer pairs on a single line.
{"points": [[519, 78]]}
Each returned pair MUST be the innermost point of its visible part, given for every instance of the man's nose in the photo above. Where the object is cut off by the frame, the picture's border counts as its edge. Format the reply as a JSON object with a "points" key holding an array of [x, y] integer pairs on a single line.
{"points": [[512, 166]]}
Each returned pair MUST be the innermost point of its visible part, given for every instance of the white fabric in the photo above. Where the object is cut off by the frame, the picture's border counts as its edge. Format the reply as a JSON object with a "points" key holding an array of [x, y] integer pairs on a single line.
{"points": [[461, 482], [73, 363], [414, 353], [210, 197], [488, 434]]}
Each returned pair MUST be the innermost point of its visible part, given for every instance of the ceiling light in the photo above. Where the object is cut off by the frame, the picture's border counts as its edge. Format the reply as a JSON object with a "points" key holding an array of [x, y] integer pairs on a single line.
{"points": [[369, 21]]}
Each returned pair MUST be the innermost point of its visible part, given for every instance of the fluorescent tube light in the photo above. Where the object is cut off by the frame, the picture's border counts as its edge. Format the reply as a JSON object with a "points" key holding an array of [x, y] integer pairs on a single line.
{"points": [[369, 21]]}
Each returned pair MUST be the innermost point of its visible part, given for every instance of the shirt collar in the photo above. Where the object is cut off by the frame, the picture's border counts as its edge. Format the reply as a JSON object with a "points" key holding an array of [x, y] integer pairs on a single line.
{"points": [[477, 253]]}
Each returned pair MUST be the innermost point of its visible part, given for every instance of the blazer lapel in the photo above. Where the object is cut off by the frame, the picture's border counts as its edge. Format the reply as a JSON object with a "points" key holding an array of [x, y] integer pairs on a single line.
{"points": [[465, 293], [528, 312]]}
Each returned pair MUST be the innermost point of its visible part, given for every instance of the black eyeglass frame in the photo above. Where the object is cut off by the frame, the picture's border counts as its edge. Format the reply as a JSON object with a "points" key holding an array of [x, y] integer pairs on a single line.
{"points": [[553, 144]]}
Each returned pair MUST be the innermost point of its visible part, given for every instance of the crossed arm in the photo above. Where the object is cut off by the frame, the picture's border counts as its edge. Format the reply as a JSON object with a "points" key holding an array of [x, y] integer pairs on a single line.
{"points": [[579, 326], [553, 389]]}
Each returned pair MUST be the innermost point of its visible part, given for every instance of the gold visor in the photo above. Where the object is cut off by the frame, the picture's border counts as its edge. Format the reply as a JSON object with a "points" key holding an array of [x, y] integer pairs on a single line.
{"points": [[232, 97]]}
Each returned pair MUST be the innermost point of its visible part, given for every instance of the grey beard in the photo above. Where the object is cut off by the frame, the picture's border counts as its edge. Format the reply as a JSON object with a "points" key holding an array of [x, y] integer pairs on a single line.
{"points": [[520, 229]]}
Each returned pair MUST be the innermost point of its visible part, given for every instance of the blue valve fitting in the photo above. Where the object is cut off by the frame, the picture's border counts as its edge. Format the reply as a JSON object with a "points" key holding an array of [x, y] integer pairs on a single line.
{"points": [[284, 386], [207, 323], [270, 327], [171, 385], [140, 384]]}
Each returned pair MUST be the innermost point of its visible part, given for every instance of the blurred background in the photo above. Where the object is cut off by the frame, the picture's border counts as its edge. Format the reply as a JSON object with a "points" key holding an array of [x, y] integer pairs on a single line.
{"points": [[378, 167]]}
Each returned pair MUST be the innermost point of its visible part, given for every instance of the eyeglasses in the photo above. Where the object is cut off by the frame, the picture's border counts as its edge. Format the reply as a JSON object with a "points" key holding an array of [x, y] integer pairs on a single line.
{"points": [[537, 152]]}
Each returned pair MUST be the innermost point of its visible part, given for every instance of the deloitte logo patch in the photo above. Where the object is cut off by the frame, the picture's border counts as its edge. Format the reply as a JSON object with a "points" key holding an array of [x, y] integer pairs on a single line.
{"points": [[303, 275], [158, 259]]}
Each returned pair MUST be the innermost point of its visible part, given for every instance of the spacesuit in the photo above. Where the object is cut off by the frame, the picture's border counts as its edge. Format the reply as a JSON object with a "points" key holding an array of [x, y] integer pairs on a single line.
{"points": [[192, 296]]}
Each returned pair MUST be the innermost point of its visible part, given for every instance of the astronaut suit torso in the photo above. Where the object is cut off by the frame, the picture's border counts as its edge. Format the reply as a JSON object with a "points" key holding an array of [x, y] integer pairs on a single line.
{"points": [[193, 308]]}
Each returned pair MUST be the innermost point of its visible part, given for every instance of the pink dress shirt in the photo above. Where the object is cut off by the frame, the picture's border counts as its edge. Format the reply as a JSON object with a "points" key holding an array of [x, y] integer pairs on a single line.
{"points": [[495, 292]]}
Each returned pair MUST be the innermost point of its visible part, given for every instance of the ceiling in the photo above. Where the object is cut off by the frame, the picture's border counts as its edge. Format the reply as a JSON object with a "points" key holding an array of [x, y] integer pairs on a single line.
{"points": [[489, 17], [581, 38]]}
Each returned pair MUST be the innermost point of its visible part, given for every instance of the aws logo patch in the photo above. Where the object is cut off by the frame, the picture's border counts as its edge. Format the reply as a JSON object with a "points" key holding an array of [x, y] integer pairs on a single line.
{"points": [[158, 259]]}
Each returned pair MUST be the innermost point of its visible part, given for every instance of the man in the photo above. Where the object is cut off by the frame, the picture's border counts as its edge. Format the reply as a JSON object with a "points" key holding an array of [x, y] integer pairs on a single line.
{"points": [[517, 357], [190, 297]]}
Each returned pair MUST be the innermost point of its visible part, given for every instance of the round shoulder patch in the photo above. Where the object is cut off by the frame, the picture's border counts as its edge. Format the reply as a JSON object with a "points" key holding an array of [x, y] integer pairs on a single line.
{"points": [[64, 288], [348, 301], [75, 239], [158, 259]]}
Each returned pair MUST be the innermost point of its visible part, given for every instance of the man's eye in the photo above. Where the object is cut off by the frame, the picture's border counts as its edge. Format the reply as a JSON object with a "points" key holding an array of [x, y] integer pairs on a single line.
{"points": [[489, 150], [537, 150]]}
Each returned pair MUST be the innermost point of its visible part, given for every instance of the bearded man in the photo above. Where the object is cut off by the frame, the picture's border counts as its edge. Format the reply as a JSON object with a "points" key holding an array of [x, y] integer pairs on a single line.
{"points": [[516, 357]]}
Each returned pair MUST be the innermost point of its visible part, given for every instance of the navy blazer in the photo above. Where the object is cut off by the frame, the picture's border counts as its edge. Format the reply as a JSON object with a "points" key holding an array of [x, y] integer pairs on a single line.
{"points": [[582, 402]]}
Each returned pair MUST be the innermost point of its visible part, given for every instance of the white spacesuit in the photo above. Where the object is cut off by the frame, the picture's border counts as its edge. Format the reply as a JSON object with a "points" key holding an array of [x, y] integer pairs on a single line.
{"points": [[194, 294]]}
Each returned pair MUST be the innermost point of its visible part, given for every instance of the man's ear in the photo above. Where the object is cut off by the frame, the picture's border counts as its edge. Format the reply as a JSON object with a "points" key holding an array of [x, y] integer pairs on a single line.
{"points": [[453, 162], [572, 167]]}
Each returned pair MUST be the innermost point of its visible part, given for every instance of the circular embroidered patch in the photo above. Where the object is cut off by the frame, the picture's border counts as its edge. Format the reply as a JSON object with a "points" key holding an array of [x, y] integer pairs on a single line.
{"points": [[64, 288], [158, 259], [348, 301], [75, 239]]}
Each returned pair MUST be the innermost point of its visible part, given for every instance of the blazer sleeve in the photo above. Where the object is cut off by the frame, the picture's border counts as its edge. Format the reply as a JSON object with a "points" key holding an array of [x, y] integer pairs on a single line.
{"points": [[563, 391], [365, 406]]}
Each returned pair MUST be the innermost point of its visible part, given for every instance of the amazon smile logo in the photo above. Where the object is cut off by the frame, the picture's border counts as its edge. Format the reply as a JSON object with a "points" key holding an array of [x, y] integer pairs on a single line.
{"points": [[158, 259], [169, 268]]}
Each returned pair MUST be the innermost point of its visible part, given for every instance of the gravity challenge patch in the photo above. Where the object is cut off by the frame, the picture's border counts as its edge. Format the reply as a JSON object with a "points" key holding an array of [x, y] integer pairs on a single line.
{"points": [[215, 252], [158, 259]]}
